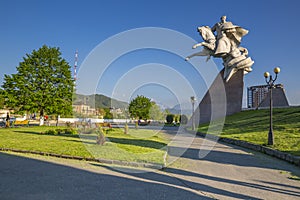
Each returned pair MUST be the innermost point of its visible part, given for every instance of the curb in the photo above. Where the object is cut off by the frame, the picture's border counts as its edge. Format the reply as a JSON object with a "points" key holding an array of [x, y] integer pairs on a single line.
{"points": [[100, 160], [165, 158], [266, 150]]}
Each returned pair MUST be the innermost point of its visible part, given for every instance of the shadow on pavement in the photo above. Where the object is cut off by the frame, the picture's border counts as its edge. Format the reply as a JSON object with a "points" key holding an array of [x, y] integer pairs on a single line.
{"points": [[25, 178], [240, 183], [193, 185], [207, 188], [248, 159]]}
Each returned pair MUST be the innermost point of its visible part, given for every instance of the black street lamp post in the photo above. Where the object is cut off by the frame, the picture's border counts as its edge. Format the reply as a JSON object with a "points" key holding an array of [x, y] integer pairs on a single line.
{"points": [[270, 81]]}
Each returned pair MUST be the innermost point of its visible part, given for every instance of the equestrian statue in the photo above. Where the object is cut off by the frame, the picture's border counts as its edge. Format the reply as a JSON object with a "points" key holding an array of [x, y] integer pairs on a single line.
{"points": [[223, 41]]}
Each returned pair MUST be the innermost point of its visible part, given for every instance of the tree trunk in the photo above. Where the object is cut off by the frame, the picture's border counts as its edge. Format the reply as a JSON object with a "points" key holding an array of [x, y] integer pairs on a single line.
{"points": [[57, 118], [41, 117]]}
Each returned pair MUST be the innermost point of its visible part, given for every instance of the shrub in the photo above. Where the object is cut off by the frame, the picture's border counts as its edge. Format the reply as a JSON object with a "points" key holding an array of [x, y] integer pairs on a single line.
{"points": [[51, 132], [170, 118], [70, 131], [109, 130], [66, 131], [59, 131], [176, 118]]}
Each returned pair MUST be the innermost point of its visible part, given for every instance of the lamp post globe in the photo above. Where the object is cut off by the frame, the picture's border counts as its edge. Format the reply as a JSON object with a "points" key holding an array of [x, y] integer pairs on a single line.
{"points": [[193, 99], [276, 70], [266, 74]]}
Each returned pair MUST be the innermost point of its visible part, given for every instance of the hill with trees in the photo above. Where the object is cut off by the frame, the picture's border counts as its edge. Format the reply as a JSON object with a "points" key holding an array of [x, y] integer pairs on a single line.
{"points": [[100, 101]]}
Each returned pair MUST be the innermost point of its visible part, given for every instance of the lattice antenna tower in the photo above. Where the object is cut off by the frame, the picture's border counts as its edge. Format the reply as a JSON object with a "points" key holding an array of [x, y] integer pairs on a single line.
{"points": [[75, 68]]}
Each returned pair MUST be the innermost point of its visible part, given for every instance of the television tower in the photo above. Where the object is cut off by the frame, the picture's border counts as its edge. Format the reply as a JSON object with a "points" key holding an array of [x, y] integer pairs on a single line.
{"points": [[75, 67]]}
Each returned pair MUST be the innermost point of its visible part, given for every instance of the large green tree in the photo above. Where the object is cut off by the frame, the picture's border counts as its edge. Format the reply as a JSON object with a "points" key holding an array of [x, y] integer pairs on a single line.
{"points": [[140, 107], [156, 112], [43, 83], [1, 98]]}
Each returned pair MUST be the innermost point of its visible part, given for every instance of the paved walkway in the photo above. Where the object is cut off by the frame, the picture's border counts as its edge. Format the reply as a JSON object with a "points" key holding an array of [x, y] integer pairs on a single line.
{"points": [[227, 172], [231, 172]]}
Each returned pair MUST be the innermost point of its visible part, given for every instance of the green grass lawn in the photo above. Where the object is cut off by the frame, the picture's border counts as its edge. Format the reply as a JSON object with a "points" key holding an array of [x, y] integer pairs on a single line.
{"points": [[137, 146], [253, 126]]}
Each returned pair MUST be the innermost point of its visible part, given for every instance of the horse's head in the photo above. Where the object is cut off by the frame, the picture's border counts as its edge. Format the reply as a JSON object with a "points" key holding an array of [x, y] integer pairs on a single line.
{"points": [[206, 33]]}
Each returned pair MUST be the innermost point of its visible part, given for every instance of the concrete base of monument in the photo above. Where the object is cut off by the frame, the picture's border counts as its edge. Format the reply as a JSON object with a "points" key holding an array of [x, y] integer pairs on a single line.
{"points": [[222, 99]]}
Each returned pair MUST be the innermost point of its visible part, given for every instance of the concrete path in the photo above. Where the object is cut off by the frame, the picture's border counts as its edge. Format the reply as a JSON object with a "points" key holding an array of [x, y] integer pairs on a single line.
{"points": [[52, 178], [231, 172], [227, 172]]}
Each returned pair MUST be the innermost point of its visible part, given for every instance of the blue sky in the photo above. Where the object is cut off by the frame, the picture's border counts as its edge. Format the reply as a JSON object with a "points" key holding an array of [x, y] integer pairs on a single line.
{"points": [[82, 25]]}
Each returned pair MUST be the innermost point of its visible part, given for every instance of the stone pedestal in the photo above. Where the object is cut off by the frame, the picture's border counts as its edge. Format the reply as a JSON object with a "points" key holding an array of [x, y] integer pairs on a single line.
{"points": [[279, 99], [222, 99]]}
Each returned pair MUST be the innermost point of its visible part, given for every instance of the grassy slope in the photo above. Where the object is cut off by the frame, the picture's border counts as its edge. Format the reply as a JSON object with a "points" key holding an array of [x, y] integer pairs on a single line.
{"points": [[138, 145], [253, 126]]}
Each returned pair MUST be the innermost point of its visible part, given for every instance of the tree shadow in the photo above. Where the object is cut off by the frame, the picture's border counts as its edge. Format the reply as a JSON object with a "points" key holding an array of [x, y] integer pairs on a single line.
{"points": [[127, 141], [240, 183], [281, 184], [36, 133], [202, 187], [80, 141], [249, 159], [135, 142], [207, 188], [25, 178]]}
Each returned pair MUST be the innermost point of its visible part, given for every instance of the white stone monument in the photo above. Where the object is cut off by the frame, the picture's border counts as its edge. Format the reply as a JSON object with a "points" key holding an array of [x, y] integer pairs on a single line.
{"points": [[225, 95], [223, 40]]}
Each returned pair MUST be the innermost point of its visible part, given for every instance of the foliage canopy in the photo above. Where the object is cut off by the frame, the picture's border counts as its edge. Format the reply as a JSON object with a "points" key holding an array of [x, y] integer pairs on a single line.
{"points": [[140, 107], [43, 83]]}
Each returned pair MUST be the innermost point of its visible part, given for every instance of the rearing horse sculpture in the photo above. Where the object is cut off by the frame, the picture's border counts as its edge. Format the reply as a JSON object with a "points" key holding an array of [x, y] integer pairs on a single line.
{"points": [[209, 43], [226, 46]]}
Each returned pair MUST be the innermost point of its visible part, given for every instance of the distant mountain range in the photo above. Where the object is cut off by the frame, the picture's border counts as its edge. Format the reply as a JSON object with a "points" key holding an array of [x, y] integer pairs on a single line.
{"points": [[102, 101], [184, 108], [99, 101]]}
